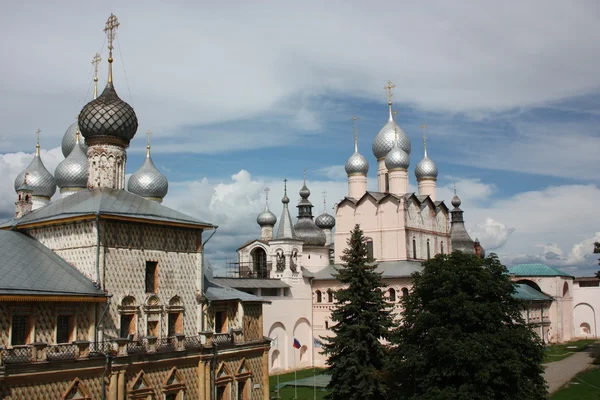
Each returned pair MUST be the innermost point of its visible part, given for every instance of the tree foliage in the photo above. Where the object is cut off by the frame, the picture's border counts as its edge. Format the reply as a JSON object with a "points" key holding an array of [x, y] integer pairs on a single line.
{"points": [[463, 336], [362, 317], [597, 250]]}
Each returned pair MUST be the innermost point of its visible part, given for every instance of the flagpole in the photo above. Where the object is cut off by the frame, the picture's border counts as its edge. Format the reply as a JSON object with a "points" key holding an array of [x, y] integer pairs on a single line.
{"points": [[295, 376], [278, 361], [314, 375]]}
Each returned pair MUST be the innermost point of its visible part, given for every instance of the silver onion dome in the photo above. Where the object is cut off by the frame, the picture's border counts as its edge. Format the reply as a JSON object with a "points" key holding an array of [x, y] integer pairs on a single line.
{"points": [[108, 116], [266, 218], [68, 140], [325, 221], [309, 233], [72, 172], [357, 164], [426, 168], [304, 191], [40, 181], [384, 141], [397, 158], [456, 201], [148, 181]]}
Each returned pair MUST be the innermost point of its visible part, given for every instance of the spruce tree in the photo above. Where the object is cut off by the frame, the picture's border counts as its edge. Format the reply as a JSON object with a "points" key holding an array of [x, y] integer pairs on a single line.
{"points": [[362, 319], [462, 335]]}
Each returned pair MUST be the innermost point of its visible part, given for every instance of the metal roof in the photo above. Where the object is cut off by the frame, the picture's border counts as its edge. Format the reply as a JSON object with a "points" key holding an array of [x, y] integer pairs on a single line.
{"points": [[388, 269], [215, 292], [250, 283], [535, 270], [105, 201], [29, 268], [527, 293]]}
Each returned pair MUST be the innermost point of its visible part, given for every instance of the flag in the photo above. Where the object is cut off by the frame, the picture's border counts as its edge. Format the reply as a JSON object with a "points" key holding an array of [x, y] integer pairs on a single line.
{"points": [[275, 342], [297, 344], [317, 343]]}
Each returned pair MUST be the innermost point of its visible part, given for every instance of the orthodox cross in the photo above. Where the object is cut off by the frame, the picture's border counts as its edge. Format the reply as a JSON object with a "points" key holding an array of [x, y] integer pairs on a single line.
{"points": [[455, 188], [37, 146], [37, 133], [267, 194], [148, 134], [285, 186], [355, 119], [388, 88], [95, 62], [424, 127], [305, 176], [324, 200], [111, 30]]}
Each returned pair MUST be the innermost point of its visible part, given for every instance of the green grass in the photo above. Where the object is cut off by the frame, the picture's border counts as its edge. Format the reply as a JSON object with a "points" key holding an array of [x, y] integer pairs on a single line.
{"points": [[304, 393], [557, 352], [577, 389]]}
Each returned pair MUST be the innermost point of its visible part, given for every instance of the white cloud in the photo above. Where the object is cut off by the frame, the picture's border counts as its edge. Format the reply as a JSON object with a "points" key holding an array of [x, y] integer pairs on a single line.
{"points": [[493, 233]]}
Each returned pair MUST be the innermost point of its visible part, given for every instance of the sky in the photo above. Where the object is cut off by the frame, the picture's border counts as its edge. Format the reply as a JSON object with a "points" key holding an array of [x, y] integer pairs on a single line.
{"points": [[241, 95]]}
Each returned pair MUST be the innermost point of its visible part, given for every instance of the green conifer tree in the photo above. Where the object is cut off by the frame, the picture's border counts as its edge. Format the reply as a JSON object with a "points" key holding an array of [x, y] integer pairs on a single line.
{"points": [[362, 318], [462, 335]]}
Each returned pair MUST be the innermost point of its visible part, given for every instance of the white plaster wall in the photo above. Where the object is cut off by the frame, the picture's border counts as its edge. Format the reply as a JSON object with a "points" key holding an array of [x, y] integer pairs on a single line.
{"points": [[586, 304]]}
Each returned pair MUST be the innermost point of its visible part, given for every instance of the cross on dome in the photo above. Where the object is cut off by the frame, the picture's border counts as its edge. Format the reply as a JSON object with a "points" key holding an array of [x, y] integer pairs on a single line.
{"points": [[266, 190], [111, 30], [388, 88], [96, 62]]}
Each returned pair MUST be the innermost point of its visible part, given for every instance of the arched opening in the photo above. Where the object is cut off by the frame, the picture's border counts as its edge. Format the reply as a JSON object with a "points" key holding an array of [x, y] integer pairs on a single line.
{"points": [[387, 182], [530, 284], [442, 248], [585, 329], [319, 296], [566, 289], [329, 296], [414, 248], [391, 294], [404, 292], [275, 359], [428, 250], [369, 243], [326, 324], [259, 262]]}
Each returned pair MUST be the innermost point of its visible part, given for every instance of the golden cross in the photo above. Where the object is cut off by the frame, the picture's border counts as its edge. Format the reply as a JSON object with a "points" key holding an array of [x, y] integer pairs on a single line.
{"points": [[111, 29], [388, 88], [95, 62], [149, 133]]}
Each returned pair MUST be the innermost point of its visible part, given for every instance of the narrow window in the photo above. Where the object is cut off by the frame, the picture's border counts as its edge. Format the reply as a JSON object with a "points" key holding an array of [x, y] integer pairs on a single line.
{"points": [[65, 328], [326, 324], [21, 330], [428, 250], [175, 323], [127, 325], [243, 390], [152, 328], [151, 277], [319, 296], [330, 296], [370, 249], [442, 248], [404, 292], [392, 294], [387, 182], [220, 322], [414, 248]]}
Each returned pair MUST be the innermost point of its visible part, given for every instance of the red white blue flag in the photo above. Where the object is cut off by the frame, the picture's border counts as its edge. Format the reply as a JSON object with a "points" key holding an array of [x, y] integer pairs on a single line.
{"points": [[296, 344]]}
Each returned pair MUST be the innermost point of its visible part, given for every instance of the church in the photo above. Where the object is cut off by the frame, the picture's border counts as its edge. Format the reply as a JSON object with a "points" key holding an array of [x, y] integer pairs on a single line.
{"points": [[104, 294], [294, 265]]}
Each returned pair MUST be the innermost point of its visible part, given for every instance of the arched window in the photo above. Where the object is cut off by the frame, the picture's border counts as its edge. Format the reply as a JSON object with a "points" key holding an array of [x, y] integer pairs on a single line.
{"points": [[428, 250], [128, 311], [259, 263], [442, 248], [404, 292], [370, 254], [392, 294], [414, 248], [319, 296], [566, 290], [175, 316], [326, 324], [387, 182], [330, 296]]}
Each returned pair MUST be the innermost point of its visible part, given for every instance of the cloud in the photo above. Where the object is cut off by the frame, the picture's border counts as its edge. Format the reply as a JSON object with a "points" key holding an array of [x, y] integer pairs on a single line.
{"points": [[335, 172], [493, 233]]}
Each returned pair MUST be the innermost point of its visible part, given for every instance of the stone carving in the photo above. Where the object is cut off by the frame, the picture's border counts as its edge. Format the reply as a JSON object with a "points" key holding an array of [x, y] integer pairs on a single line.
{"points": [[280, 261]]}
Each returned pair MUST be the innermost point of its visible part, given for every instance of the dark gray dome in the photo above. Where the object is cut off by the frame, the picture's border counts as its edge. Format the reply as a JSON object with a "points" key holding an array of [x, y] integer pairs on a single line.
{"points": [[72, 172], [304, 191], [148, 181], [456, 201], [384, 141], [108, 116], [40, 181], [266, 218], [68, 140], [397, 158], [309, 233], [325, 221]]}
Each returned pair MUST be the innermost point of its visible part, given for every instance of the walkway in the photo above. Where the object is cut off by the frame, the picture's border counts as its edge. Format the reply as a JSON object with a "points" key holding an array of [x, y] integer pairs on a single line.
{"points": [[558, 373]]}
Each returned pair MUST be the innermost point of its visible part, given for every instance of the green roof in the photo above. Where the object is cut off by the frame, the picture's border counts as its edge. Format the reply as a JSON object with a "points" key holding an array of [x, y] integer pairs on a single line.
{"points": [[535, 270], [527, 293]]}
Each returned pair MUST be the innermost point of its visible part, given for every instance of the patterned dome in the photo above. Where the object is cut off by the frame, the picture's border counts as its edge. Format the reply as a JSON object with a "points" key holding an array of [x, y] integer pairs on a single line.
{"points": [[397, 158], [357, 164], [148, 181], [266, 218], [108, 115], [426, 168], [325, 221], [384, 141], [68, 140], [311, 234], [40, 181], [72, 172]]}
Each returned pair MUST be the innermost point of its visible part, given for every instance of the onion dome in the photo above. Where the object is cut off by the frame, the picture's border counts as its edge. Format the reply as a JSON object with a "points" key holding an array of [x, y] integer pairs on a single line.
{"points": [[309, 233], [357, 164], [397, 158], [325, 221], [266, 218], [384, 141], [456, 200], [68, 140], [304, 191], [72, 172], [426, 168], [147, 181], [40, 181]]}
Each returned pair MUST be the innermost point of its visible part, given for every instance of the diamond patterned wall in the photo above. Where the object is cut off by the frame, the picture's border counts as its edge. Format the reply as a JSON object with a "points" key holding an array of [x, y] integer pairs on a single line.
{"points": [[188, 371], [44, 388], [252, 321]]}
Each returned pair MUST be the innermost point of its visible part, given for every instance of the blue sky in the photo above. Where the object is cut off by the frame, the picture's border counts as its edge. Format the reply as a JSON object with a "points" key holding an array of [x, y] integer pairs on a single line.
{"points": [[240, 96]]}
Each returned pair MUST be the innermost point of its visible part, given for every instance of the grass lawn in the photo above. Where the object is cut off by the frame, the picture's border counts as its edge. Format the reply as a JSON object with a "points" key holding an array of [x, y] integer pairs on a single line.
{"points": [[557, 352], [304, 393], [577, 389]]}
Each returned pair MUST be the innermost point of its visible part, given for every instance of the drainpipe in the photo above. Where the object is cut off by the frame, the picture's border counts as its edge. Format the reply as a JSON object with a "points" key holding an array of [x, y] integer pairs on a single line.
{"points": [[107, 366], [98, 250], [202, 275], [101, 319]]}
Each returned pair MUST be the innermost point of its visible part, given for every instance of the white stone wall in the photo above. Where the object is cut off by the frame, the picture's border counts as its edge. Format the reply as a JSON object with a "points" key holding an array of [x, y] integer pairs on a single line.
{"points": [[586, 304]]}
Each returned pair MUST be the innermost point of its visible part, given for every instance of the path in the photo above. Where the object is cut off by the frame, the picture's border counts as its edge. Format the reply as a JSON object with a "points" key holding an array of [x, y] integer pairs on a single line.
{"points": [[560, 372]]}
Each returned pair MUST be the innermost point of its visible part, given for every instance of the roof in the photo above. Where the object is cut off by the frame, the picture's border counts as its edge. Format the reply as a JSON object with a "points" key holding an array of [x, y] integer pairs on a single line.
{"points": [[250, 283], [249, 242], [215, 292], [535, 270], [380, 196], [107, 202], [29, 268], [527, 293], [388, 269]]}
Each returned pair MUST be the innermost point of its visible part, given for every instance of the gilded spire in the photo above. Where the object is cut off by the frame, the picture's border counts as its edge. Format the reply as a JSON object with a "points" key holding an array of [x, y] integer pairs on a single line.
{"points": [[355, 119], [77, 133], [111, 30], [424, 127], [37, 145], [95, 62], [388, 88], [148, 145]]}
